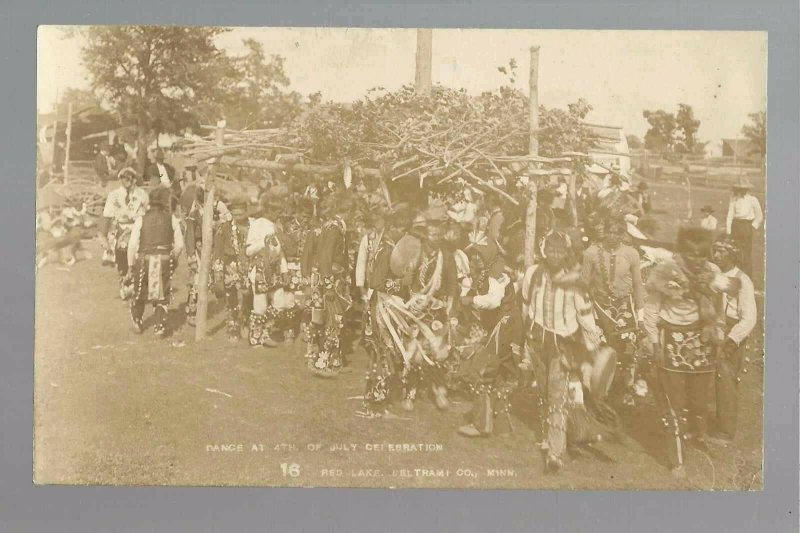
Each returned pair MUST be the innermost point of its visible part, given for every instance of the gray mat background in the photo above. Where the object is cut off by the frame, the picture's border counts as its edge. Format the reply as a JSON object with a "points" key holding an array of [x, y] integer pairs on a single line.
{"points": [[24, 507]]}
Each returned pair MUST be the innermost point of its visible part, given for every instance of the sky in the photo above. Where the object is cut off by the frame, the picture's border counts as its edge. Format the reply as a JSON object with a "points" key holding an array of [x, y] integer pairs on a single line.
{"points": [[722, 75]]}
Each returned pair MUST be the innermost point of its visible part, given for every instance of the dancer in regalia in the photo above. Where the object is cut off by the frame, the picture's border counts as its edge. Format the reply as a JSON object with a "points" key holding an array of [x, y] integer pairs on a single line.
{"points": [[230, 267], [611, 272], [153, 249], [382, 294], [492, 370], [432, 280], [326, 266], [267, 268], [685, 325], [561, 333]]}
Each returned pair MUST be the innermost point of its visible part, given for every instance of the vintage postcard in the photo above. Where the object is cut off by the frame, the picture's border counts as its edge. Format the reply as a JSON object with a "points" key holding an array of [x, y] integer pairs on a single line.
{"points": [[400, 258]]}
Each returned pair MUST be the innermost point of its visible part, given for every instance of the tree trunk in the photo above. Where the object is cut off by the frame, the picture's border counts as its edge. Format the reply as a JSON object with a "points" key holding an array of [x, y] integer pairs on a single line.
{"points": [[572, 190], [141, 140], [533, 149], [69, 142]]}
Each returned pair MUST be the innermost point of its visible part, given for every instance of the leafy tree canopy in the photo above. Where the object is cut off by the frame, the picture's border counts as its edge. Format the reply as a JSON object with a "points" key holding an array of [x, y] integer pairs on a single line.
{"points": [[756, 133]]}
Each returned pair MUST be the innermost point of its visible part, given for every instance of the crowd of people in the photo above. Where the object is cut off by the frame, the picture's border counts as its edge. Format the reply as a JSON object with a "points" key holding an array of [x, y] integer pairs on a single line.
{"points": [[441, 298]]}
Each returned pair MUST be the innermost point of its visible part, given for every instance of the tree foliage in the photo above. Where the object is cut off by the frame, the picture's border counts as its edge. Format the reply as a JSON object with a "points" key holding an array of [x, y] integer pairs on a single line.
{"points": [[255, 90], [661, 135], [673, 132], [756, 133], [153, 76], [687, 127]]}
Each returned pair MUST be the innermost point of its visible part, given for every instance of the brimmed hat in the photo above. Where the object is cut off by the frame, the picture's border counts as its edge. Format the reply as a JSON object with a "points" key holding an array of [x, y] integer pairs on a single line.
{"points": [[127, 172], [742, 183], [707, 209]]}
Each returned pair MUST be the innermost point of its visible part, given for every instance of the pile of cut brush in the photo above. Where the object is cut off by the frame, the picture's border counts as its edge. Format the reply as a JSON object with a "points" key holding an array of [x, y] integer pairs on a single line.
{"points": [[434, 139]]}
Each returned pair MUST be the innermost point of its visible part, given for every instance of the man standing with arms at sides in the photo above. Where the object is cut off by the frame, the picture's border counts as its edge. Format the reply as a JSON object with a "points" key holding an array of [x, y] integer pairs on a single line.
{"points": [[740, 312], [611, 273], [744, 217], [155, 243], [123, 206]]}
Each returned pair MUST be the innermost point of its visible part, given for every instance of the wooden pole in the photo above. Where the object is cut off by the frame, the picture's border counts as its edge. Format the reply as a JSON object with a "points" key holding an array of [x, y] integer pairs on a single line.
{"points": [[204, 268], [573, 199], [533, 149], [422, 78], [55, 131], [69, 142]]}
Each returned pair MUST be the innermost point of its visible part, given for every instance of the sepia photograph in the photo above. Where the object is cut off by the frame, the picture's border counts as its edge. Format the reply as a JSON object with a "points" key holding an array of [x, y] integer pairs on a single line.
{"points": [[400, 258]]}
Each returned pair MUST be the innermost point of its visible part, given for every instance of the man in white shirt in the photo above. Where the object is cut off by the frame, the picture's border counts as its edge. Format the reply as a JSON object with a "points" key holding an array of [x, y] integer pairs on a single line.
{"points": [[123, 206], [740, 316], [744, 216]]}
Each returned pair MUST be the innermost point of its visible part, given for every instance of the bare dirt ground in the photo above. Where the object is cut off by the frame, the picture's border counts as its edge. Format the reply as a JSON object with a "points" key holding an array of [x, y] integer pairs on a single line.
{"points": [[113, 407]]}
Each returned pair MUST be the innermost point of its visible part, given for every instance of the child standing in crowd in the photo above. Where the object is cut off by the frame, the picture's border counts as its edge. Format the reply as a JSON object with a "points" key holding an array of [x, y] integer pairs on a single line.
{"points": [[709, 221]]}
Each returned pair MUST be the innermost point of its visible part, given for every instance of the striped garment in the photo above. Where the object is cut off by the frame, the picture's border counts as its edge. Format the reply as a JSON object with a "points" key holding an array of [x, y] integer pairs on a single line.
{"points": [[558, 304]]}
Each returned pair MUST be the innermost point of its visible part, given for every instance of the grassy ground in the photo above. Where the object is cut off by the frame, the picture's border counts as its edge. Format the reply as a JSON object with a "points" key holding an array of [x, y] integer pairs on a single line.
{"points": [[112, 407]]}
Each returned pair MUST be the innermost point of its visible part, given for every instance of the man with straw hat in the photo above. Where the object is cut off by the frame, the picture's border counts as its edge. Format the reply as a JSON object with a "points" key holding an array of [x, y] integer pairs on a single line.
{"points": [[744, 216]]}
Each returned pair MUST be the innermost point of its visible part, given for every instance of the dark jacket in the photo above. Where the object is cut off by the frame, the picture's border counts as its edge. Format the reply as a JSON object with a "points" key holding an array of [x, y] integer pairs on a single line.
{"points": [[152, 176], [101, 167]]}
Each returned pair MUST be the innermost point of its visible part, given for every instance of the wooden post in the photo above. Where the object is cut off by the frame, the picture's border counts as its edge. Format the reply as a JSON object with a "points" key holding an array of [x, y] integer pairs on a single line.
{"points": [[533, 149], [422, 78], [204, 268], [55, 131], [69, 142], [572, 189]]}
